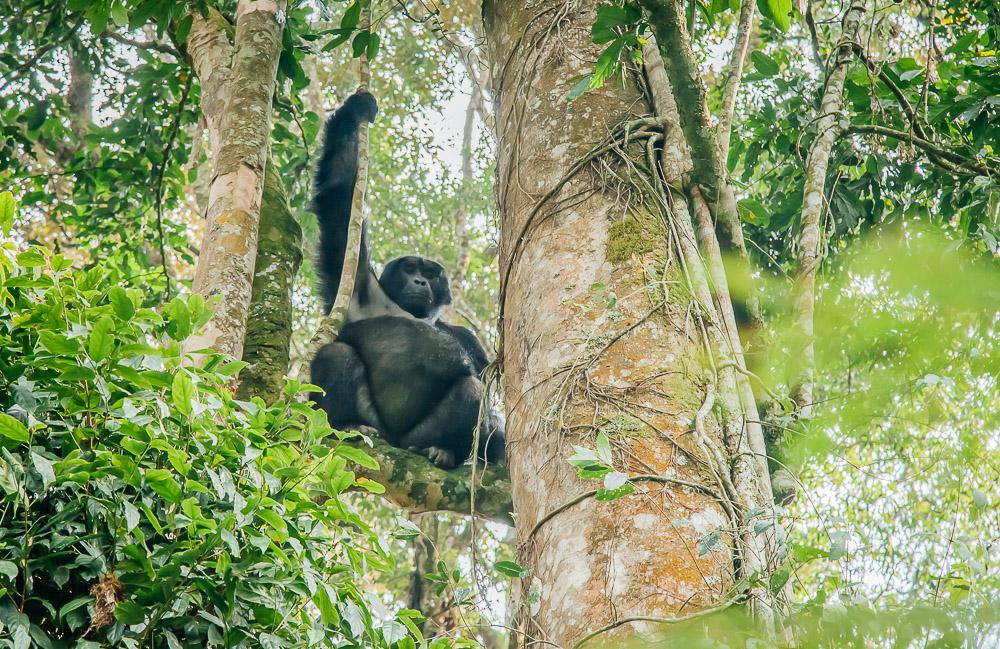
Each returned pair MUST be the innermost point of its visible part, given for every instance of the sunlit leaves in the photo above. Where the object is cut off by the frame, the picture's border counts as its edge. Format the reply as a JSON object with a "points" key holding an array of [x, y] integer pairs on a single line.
{"points": [[780, 11]]}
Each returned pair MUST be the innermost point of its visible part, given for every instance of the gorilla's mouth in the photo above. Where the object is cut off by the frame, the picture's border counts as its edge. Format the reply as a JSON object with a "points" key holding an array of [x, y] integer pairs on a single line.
{"points": [[417, 296]]}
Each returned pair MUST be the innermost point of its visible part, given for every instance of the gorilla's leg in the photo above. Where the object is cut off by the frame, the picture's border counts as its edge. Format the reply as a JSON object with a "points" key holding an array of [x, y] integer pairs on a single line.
{"points": [[338, 369], [446, 432]]}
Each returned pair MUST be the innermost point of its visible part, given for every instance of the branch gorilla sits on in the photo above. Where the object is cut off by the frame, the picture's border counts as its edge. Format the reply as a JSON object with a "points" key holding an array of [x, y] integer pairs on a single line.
{"points": [[395, 368]]}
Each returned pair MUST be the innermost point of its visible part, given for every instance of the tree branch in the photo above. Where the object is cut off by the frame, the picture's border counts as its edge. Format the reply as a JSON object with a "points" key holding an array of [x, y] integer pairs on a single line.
{"points": [[708, 166], [415, 484], [813, 198], [932, 149], [734, 75]]}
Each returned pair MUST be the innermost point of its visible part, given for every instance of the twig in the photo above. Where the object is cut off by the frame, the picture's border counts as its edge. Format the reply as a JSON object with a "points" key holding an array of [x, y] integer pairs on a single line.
{"points": [[41, 52], [576, 500], [144, 45], [659, 620], [934, 150], [174, 128]]}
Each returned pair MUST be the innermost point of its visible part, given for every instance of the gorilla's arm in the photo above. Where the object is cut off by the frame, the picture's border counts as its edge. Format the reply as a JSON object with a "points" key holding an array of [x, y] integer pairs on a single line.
{"points": [[470, 344], [336, 176]]}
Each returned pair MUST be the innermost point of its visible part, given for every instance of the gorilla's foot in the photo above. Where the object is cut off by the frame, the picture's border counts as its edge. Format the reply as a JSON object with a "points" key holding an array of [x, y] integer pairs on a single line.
{"points": [[442, 457]]}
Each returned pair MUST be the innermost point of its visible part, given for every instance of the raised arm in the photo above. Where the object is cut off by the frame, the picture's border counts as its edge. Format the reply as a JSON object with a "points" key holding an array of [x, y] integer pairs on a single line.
{"points": [[336, 176]]}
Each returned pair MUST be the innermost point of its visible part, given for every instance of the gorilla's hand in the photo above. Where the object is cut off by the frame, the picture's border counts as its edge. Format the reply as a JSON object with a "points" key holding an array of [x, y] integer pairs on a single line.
{"points": [[362, 106]]}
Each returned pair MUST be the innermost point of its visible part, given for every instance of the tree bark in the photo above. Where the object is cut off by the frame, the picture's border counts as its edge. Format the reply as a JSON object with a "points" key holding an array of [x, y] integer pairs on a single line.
{"points": [[573, 232], [269, 329], [810, 253], [229, 249]]}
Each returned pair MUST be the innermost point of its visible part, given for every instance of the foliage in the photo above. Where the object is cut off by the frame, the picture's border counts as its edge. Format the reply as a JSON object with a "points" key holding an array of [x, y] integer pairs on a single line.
{"points": [[143, 505]]}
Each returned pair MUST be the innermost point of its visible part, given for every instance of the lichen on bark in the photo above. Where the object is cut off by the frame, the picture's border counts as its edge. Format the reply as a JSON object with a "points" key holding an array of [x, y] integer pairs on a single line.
{"points": [[269, 327]]}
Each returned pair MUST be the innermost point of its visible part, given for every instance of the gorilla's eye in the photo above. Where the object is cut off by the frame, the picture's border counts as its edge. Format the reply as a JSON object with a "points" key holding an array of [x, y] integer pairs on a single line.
{"points": [[410, 267]]}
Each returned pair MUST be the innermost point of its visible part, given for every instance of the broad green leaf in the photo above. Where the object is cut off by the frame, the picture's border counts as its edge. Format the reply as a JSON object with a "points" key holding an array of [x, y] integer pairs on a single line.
{"points": [[780, 11], [162, 482], [58, 344], [8, 569], [121, 303], [708, 542], [45, 469], [12, 428], [273, 520], [182, 392], [129, 613], [6, 212], [764, 64], [101, 342], [511, 569], [357, 456]]}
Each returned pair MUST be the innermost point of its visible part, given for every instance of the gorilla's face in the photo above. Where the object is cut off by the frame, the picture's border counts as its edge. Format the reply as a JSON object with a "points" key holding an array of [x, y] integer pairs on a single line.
{"points": [[416, 284]]}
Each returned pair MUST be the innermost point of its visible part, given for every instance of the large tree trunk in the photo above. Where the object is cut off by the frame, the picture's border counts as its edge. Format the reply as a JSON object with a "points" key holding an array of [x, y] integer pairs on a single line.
{"points": [[269, 329], [573, 234], [240, 151]]}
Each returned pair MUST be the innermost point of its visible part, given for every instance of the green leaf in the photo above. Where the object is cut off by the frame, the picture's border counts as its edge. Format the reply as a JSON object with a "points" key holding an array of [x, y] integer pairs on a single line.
{"points": [[6, 211], [511, 569], [610, 17], [406, 530], [764, 64], [607, 63], [373, 43], [8, 569], [162, 482], [44, 466], [178, 319], [273, 520], [182, 392], [370, 486], [356, 455], [102, 341], [604, 448], [351, 16], [13, 429], [119, 14], [121, 303], [129, 613], [74, 604], [780, 11], [184, 28], [360, 43], [708, 542], [605, 494], [58, 344], [579, 88]]}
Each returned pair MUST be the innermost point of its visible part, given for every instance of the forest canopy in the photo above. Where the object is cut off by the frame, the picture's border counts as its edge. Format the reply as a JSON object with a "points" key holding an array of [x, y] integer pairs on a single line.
{"points": [[735, 264]]}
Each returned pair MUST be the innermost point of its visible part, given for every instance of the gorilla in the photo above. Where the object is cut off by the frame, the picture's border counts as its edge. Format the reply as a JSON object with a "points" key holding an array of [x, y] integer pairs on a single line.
{"points": [[395, 368]]}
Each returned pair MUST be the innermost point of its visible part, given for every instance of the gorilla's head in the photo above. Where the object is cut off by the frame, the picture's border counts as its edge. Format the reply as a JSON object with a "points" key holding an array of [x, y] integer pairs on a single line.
{"points": [[417, 284]]}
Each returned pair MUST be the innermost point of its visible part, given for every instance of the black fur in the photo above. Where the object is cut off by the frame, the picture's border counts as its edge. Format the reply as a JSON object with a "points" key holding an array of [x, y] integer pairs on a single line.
{"points": [[394, 367]]}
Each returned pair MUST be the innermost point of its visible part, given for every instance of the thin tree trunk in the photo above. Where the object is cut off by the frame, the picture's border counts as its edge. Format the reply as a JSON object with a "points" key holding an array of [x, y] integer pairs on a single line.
{"points": [[744, 27], [269, 329], [813, 200], [229, 249], [573, 232]]}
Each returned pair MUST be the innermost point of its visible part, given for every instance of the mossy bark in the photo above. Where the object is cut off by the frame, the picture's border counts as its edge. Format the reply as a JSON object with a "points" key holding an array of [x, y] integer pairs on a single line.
{"points": [[226, 265], [576, 362], [417, 485], [269, 328]]}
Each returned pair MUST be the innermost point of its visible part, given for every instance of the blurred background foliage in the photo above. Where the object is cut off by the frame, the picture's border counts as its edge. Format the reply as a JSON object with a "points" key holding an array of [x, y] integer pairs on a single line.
{"points": [[102, 147]]}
